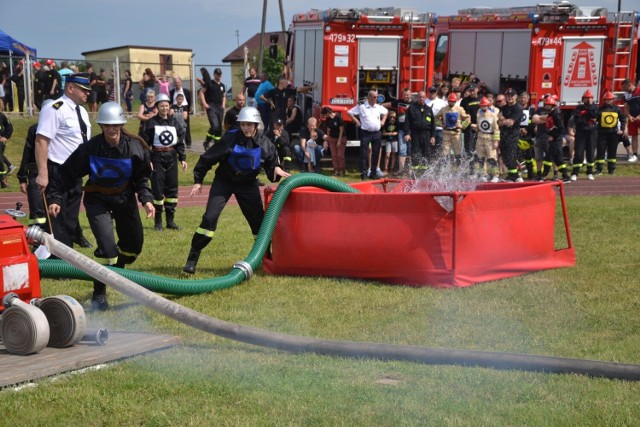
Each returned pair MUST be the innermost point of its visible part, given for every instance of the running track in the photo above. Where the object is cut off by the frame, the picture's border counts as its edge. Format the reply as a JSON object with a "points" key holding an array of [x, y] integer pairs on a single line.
{"points": [[602, 186]]}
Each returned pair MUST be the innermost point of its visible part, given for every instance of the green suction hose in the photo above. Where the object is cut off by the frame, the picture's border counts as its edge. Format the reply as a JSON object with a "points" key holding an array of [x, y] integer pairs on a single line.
{"points": [[241, 271]]}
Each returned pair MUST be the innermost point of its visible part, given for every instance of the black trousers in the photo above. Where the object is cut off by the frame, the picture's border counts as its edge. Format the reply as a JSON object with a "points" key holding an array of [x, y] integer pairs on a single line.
{"points": [[375, 139], [248, 197], [122, 209], [607, 143], [509, 151], [585, 146], [164, 180], [64, 225], [421, 149], [215, 114], [37, 214]]}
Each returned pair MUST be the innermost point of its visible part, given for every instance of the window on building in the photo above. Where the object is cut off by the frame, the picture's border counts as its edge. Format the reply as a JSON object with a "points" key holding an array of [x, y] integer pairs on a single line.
{"points": [[166, 64]]}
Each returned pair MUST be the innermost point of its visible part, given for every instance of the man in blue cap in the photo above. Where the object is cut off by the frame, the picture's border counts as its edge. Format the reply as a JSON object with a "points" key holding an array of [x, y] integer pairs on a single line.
{"points": [[62, 127]]}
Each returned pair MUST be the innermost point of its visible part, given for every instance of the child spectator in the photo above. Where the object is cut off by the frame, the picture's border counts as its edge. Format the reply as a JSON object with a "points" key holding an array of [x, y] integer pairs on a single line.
{"points": [[311, 150], [487, 144], [453, 119], [163, 84], [390, 142], [181, 111]]}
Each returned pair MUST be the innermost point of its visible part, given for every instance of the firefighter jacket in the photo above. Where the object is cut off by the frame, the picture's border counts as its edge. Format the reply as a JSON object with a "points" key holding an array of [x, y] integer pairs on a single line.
{"points": [[487, 122], [471, 105], [554, 125], [165, 133], [6, 128], [586, 117], [419, 118], [28, 165], [513, 112], [239, 158], [452, 118], [609, 116], [123, 169]]}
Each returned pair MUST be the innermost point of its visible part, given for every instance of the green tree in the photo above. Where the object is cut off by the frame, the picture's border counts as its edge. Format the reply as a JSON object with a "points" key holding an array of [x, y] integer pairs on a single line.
{"points": [[273, 67]]}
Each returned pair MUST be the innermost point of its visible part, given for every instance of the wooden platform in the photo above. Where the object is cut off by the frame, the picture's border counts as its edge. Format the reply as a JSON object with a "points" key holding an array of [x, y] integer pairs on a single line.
{"points": [[52, 361]]}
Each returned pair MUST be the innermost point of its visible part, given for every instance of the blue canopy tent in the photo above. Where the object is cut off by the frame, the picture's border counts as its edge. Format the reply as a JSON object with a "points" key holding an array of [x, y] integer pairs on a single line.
{"points": [[12, 47]]}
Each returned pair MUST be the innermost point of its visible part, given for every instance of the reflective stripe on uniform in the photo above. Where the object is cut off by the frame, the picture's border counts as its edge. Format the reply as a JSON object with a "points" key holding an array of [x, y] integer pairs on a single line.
{"points": [[171, 200], [204, 232]]}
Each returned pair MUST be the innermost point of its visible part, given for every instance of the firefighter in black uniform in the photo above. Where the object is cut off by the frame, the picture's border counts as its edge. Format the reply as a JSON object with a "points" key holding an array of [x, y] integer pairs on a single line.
{"points": [[240, 154], [165, 136], [119, 167], [6, 130], [38, 85], [212, 98], [611, 125], [585, 117], [509, 121], [420, 128], [554, 129], [280, 138], [527, 134], [471, 105], [27, 173]]}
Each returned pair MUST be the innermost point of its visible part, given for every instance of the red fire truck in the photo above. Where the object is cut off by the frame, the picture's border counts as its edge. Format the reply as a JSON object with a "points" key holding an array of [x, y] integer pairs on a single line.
{"points": [[559, 48], [348, 52]]}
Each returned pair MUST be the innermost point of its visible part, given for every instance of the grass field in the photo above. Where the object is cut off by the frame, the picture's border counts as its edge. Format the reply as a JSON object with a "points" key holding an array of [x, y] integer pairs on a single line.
{"points": [[589, 311]]}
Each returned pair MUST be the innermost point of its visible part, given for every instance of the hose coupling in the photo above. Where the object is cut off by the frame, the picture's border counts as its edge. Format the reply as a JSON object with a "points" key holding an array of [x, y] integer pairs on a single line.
{"points": [[245, 267], [35, 234]]}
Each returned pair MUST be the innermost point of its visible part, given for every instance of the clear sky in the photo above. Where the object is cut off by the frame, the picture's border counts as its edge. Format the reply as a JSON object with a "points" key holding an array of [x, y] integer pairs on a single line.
{"points": [[62, 29]]}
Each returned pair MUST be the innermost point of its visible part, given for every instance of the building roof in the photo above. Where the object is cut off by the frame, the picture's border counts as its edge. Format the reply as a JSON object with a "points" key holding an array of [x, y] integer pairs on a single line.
{"points": [[129, 46], [253, 44]]}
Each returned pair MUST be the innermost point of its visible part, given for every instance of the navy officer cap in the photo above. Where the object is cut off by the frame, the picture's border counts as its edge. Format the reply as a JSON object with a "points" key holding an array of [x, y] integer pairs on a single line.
{"points": [[81, 79]]}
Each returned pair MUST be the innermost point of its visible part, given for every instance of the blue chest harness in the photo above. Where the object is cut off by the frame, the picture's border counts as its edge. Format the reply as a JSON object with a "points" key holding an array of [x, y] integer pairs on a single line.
{"points": [[110, 172], [245, 160]]}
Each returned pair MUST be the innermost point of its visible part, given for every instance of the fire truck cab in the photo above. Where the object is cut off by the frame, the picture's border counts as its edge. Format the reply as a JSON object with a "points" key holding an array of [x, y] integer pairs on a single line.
{"points": [[346, 53], [558, 48]]}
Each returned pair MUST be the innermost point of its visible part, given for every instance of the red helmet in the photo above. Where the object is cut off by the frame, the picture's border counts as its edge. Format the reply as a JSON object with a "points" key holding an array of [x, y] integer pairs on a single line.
{"points": [[49, 61], [484, 102], [550, 100], [452, 97], [587, 94], [608, 95], [37, 64]]}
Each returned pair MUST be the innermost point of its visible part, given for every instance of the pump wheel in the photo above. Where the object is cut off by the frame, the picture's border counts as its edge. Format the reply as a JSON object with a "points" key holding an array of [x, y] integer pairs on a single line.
{"points": [[67, 321], [15, 213]]}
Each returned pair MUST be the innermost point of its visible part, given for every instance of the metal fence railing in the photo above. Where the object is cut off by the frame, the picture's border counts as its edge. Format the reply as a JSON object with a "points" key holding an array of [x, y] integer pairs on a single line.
{"points": [[22, 98]]}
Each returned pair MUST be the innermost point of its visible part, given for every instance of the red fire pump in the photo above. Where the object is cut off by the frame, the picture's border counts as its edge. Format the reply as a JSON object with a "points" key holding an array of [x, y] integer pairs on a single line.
{"points": [[20, 272], [28, 324]]}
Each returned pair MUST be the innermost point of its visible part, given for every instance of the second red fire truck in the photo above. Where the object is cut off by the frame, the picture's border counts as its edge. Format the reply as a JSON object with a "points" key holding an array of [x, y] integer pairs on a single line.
{"points": [[557, 48]]}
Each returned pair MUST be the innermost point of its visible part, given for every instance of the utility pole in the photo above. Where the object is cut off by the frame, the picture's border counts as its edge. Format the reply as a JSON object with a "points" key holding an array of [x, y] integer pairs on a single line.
{"points": [[264, 20], [238, 37]]}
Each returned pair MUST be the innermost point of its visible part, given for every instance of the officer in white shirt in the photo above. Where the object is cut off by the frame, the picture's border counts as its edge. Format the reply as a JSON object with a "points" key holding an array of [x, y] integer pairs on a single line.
{"points": [[369, 117], [62, 127]]}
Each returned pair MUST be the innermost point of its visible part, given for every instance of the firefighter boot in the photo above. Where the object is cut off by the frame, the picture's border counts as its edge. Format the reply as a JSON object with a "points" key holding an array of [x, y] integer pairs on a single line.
{"points": [[170, 223], [545, 172], [80, 240], [99, 298], [192, 261], [158, 221], [530, 173]]}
